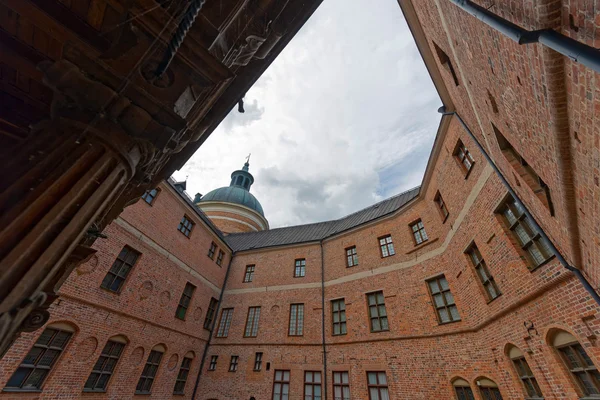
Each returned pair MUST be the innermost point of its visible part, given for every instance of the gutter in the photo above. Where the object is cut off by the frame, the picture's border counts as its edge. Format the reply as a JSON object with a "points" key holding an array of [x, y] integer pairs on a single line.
{"points": [[586, 284], [323, 320]]}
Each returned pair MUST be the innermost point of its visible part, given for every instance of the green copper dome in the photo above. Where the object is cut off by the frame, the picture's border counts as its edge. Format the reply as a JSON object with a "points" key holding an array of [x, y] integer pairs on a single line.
{"points": [[238, 191]]}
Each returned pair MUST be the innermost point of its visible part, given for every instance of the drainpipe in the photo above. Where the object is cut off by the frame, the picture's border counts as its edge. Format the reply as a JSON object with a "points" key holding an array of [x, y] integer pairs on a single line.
{"points": [[576, 51], [586, 284], [212, 328], [323, 321]]}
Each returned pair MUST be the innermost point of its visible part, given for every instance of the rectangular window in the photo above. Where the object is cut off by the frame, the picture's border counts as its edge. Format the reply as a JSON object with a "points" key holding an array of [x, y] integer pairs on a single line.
{"points": [[377, 383], [300, 268], [185, 226], [225, 323], [525, 171], [312, 385], [182, 376], [249, 273], [464, 157], [281, 385], [258, 361], [445, 62], [252, 322], [377, 312], [582, 368], [443, 300], [338, 316], [386, 246], [212, 250], [220, 258], [481, 269], [115, 277], [439, 201], [184, 302], [418, 231], [104, 367], [526, 375], [213, 363], [210, 313], [40, 360], [296, 320], [464, 393], [233, 364], [341, 385], [528, 238], [351, 257], [147, 379], [150, 195]]}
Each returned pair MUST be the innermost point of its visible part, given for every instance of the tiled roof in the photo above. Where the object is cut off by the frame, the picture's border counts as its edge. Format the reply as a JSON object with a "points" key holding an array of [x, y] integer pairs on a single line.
{"points": [[319, 230]]}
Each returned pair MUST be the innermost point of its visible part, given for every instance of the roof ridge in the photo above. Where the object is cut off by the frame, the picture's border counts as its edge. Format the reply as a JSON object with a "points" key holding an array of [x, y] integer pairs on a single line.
{"points": [[378, 203]]}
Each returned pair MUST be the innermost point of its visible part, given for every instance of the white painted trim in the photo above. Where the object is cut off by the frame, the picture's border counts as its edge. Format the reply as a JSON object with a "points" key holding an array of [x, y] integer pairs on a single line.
{"points": [[213, 217], [170, 256], [221, 206]]}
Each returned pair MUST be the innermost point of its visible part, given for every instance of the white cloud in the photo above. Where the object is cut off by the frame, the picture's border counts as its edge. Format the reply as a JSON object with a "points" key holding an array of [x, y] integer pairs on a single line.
{"points": [[344, 117]]}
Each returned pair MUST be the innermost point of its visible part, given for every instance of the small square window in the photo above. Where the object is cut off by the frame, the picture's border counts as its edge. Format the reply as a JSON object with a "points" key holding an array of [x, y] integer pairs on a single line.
{"points": [[233, 364], [418, 231], [213, 363], [441, 205], [249, 273], [212, 250], [351, 257], [220, 258], [464, 157], [150, 195], [185, 226], [300, 268], [386, 246]]}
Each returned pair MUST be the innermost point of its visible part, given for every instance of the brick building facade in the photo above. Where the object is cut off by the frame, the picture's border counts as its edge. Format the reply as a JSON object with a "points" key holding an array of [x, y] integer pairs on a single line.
{"points": [[442, 292]]}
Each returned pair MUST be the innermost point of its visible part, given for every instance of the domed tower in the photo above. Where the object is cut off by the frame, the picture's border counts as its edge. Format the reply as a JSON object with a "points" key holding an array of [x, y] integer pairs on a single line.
{"points": [[233, 208]]}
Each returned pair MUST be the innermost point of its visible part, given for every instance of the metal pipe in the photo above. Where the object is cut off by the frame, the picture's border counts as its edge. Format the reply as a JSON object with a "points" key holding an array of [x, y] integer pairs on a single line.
{"points": [[576, 51], [586, 284], [323, 321], [212, 328]]}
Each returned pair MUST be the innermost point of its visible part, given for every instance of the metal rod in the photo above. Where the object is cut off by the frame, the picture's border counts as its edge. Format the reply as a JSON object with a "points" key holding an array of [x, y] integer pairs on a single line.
{"points": [[586, 284], [576, 51]]}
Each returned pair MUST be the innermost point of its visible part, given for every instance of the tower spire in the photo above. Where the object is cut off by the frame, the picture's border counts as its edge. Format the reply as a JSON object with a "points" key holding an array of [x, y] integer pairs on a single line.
{"points": [[247, 163]]}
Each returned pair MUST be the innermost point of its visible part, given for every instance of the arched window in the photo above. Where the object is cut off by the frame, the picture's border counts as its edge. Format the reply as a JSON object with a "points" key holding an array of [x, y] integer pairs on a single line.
{"points": [[246, 181], [488, 389], [42, 357], [462, 389], [578, 363], [149, 373], [239, 180], [105, 366], [525, 374]]}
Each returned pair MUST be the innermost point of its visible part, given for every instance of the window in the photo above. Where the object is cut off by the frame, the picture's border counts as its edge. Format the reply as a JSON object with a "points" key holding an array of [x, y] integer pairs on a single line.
{"points": [[351, 256], [296, 320], [525, 374], [117, 274], [312, 385], [341, 385], [281, 385], [225, 323], [185, 226], [145, 383], [486, 279], [258, 361], [525, 171], [220, 258], [104, 367], [377, 312], [464, 157], [528, 238], [210, 313], [463, 390], [249, 273], [150, 195], [184, 371], [184, 302], [377, 383], [439, 201], [488, 389], [212, 250], [233, 364], [386, 246], [42, 357], [252, 322], [213, 363], [446, 63], [300, 268], [418, 231], [443, 300], [578, 363], [338, 316]]}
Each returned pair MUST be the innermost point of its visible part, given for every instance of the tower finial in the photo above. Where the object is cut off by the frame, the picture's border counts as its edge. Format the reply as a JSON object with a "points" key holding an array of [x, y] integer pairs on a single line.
{"points": [[248, 158], [247, 163]]}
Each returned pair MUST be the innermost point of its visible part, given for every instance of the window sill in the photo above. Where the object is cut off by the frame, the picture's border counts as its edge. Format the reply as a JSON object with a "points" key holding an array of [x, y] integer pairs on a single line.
{"points": [[488, 302], [93, 391], [18, 390], [444, 219], [450, 322], [381, 330], [391, 255], [548, 260], [179, 394], [420, 246], [143, 393], [110, 291]]}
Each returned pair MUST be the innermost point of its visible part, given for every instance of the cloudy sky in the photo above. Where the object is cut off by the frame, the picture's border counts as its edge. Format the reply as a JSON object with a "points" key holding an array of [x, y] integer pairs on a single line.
{"points": [[343, 118]]}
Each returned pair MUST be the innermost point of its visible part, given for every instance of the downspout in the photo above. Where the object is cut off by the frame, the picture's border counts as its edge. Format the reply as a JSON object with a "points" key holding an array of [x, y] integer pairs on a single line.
{"points": [[586, 284], [323, 320], [212, 328], [576, 51]]}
